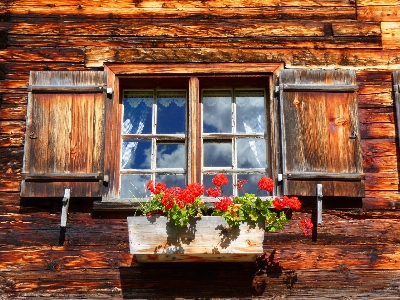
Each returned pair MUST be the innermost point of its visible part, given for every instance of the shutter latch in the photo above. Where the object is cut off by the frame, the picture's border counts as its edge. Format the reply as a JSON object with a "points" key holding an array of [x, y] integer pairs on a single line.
{"points": [[353, 135]]}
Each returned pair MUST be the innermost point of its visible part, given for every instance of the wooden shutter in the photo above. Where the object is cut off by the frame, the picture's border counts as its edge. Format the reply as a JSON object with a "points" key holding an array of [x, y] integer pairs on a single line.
{"points": [[320, 133], [396, 90], [64, 142]]}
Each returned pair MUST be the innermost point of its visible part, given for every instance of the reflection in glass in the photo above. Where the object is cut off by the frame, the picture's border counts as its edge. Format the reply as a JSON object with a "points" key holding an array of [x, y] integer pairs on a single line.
{"points": [[137, 112], [170, 156], [172, 180], [134, 186], [227, 190], [251, 153], [171, 112], [217, 111], [136, 154], [251, 187], [217, 155], [250, 111]]}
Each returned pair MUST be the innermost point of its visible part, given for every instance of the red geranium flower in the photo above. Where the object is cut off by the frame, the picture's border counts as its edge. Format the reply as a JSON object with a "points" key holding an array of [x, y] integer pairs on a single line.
{"points": [[223, 204], [220, 179], [240, 183], [214, 192], [278, 203], [156, 188], [307, 225], [266, 183]]}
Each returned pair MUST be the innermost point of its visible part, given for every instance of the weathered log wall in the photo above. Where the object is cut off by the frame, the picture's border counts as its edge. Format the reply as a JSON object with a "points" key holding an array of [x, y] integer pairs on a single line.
{"points": [[352, 254]]}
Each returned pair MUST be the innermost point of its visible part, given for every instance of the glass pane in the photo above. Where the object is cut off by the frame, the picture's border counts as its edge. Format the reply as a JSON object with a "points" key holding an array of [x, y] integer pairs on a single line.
{"points": [[217, 111], [250, 111], [137, 112], [134, 186], [217, 155], [251, 153], [172, 180], [171, 112], [251, 186], [171, 156], [136, 154], [227, 190]]}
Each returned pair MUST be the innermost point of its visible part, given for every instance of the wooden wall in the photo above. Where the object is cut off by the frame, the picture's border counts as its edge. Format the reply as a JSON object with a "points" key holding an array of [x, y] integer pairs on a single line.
{"points": [[354, 253]]}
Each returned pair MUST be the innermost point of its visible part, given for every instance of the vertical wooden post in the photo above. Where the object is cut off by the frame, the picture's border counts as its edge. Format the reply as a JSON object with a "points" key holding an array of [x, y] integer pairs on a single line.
{"points": [[319, 203], [193, 132]]}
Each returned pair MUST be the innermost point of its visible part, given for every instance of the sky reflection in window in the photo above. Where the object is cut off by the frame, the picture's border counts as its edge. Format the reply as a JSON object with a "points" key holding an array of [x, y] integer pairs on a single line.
{"points": [[217, 154], [250, 111], [137, 112], [171, 112], [171, 156], [217, 111], [136, 154], [251, 153], [134, 186]]}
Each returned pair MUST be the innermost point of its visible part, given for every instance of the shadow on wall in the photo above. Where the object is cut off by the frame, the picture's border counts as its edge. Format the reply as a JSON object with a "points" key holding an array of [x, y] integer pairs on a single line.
{"points": [[198, 280]]}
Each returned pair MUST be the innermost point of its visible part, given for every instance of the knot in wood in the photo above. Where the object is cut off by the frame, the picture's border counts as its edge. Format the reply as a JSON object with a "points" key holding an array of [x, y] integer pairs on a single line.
{"points": [[340, 121], [296, 102]]}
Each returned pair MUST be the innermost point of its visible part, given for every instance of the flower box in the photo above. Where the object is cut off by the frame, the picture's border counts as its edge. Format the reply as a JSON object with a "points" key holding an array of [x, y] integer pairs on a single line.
{"points": [[209, 238]]}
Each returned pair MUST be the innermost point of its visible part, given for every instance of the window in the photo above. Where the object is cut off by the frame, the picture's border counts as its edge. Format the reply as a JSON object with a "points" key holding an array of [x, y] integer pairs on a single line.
{"points": [[94, 132], [155, 130]]}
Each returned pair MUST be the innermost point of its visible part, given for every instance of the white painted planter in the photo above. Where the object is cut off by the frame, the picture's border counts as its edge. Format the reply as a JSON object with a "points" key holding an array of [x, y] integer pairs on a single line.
{"points": [[154, 239]]}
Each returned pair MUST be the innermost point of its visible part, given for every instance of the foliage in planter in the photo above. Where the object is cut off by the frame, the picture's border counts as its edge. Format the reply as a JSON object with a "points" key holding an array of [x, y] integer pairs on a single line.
{"points": [[180, 204]]}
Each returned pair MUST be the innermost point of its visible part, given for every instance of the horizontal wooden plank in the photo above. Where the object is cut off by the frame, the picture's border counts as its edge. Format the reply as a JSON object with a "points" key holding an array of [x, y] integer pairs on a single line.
{"points": [[317, 42], [379, 147], [319, 87], [10, 182], [310, 58], [9, 141], [11, 160], [376, 115], [43, 55], [166, 28], [63, 177], [378, 2], [390, 34], [377, 131], [380, 164], [111, 10], [11, 112], [384, 12], [15, 99], [180, 4], [66, 89], [356, 29], [324, 176], [12, 128], [381, 181]]}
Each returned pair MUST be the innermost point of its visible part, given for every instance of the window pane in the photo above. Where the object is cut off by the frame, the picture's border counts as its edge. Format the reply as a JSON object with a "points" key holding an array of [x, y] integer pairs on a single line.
{"points": [[134, 186], [171, 156], [217, 155], [251, 187], [136, 154], [217, 111], [172, 180], [227, 190], [250, 111], [137, 112], [171, 112], [251, 153]]}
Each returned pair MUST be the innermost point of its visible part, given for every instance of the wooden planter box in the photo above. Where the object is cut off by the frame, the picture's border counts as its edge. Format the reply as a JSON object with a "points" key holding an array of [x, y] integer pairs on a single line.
{"points": [[154, 239]]}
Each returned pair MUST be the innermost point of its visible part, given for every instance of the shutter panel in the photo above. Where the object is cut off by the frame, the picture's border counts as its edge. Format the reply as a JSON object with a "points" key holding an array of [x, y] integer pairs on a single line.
{"points": [[64, 142], [320, 133], [396, 90]]}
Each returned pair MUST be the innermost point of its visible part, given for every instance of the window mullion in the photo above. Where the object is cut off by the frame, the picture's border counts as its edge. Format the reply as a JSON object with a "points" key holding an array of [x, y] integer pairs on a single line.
{"points": [[193, 133]]}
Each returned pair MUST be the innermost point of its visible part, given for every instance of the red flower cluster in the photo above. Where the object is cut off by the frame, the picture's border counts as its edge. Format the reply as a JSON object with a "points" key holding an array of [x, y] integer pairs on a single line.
{"points": [[173, 195], [240, 183], [156, 188], [292, 202], [307, 225], [266, 183], [214, 192], [220, 179], [223, 204]]}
